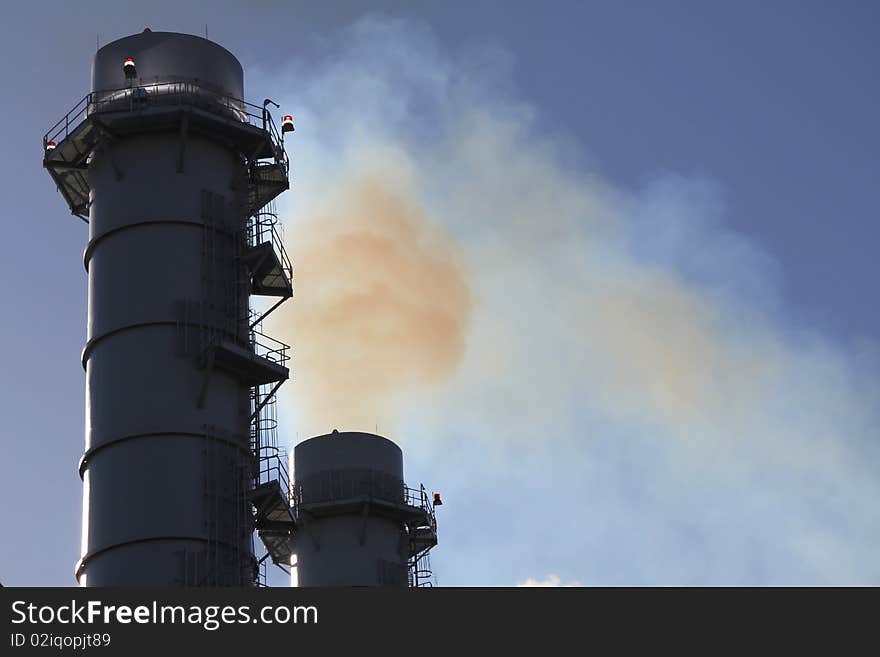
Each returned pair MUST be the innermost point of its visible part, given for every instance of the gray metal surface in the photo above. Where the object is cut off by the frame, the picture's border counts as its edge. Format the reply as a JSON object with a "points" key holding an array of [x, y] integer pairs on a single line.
{"points": [[351, 502], [168, 57], [166, 465]]}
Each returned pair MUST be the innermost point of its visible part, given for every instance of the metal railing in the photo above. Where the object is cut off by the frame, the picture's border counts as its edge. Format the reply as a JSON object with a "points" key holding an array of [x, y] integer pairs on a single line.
{"points": [[262, 575], [419, 498], [264, 227], [423, 578], [273, 467], [269, 348], [170, 93], [421, 575], [415, 497]]}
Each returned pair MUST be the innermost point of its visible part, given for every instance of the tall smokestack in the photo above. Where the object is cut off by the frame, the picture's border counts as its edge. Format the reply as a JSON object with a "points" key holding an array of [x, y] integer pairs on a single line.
{"points": [[173, 172]]}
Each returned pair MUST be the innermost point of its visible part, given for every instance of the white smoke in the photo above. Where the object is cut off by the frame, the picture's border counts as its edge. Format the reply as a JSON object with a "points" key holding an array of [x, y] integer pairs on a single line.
{"points": [[551, 581], [629, 404]]}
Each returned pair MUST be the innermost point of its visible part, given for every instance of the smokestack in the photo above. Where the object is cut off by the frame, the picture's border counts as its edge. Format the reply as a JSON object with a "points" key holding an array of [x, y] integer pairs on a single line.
{"points": [[175, 174], [358, 524]]}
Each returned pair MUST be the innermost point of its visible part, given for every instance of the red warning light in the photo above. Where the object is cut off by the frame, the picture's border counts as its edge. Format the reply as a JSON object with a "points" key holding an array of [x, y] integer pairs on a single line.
{"points": [[129, 68], [50, 146], [437, 500], [287, 123]]}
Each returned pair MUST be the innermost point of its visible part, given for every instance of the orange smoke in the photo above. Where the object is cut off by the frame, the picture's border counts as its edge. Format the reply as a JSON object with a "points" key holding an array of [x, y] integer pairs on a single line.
{"points": [[381, 309]]}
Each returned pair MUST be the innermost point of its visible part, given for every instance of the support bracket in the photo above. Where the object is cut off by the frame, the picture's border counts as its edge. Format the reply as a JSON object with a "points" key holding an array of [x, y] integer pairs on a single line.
{"points": [[266, 314], [265, 400]]}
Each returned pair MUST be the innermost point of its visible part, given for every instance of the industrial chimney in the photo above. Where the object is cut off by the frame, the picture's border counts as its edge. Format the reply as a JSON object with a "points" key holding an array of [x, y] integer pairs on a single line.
{"points": [[357, 523], [175, 174]]}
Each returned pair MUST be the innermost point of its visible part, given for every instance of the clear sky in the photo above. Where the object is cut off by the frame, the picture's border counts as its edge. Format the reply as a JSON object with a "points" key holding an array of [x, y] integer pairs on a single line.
{"points": [[707, 377]]}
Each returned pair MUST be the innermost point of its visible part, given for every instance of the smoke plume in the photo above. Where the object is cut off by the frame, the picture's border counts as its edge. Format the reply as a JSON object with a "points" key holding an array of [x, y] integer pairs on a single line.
{"points": [[382, 305], [604, 375]]}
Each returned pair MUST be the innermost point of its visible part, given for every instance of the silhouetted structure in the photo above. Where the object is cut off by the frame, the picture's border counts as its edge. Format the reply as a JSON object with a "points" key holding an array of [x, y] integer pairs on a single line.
{"points": [[358, 524], [175, 174]]}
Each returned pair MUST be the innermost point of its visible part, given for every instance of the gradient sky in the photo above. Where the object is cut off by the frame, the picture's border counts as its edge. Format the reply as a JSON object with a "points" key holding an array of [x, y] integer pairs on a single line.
{"points": [[759, 119]]}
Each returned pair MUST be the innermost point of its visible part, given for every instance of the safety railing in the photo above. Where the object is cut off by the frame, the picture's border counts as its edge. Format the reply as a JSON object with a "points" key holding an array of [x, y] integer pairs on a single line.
{"points": [[344, 489], [169, 93], [263, 227], [269, 348], [423, 577], [420, 573], [273, 467], [419, 498], [262, 575]]}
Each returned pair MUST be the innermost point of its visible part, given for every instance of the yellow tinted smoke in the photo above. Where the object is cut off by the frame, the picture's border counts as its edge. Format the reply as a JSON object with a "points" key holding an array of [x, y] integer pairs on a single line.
{"points": [[381, 309]]}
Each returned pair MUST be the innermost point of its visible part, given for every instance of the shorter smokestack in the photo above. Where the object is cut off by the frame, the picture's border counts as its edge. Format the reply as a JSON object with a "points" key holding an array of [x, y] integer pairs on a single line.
{"points": [[358, 524]]}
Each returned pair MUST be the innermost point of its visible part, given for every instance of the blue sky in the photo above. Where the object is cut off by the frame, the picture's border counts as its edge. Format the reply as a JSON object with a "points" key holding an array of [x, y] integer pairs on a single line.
{"points": [[697, 403]]}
